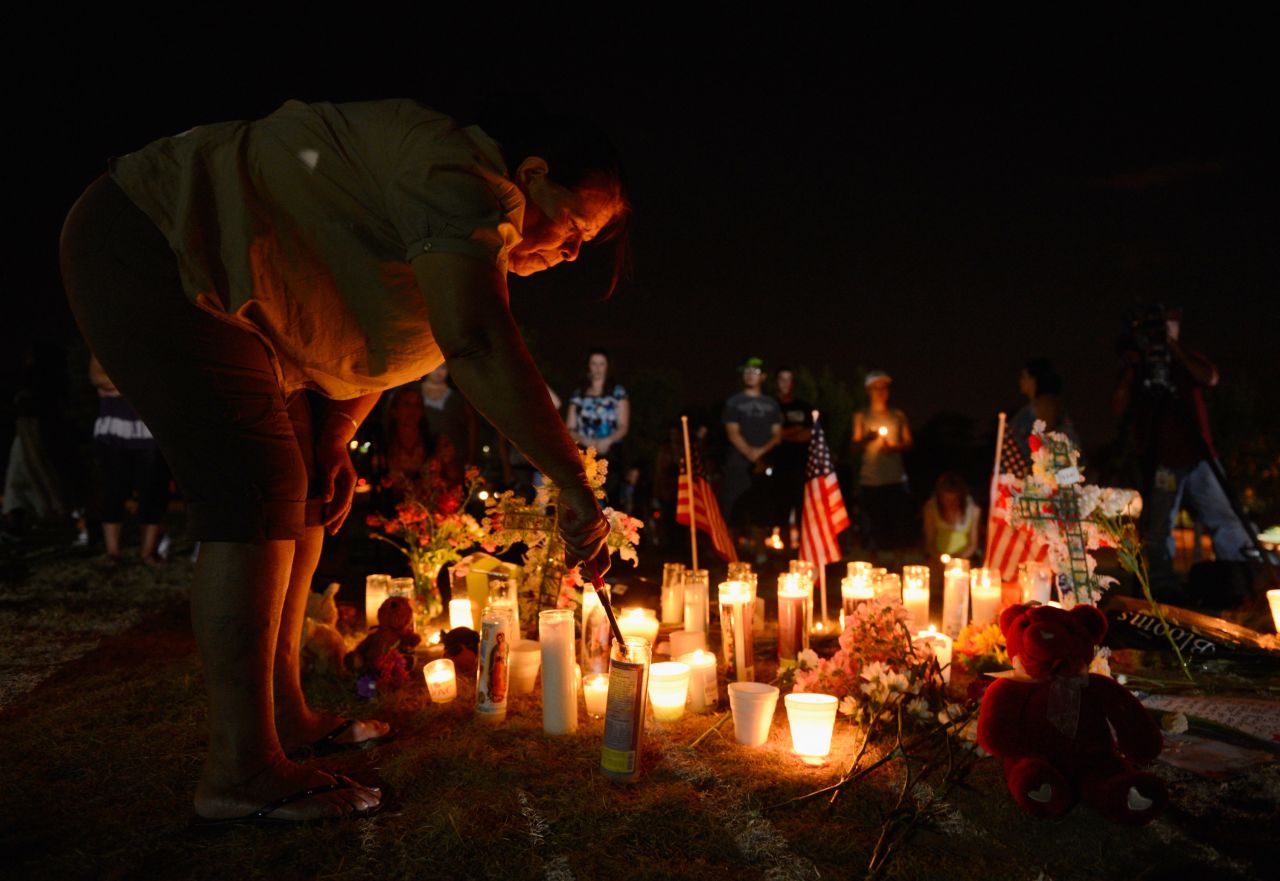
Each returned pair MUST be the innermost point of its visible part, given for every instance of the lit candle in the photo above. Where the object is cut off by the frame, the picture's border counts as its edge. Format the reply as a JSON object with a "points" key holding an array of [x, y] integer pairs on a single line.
{"points": [[668, 690], [736, 611], [460, 613], [915, 594], [811, 718], [697, 600], [559, 691], [685, 641], [883, 431], [376, 589], [442, 683], [704, 689], [596, 634], [984, 593], [635, 621], [793, 634], [526, 657], [955, 596], [1273, 597], [888, 586], [941, 644], [1035, 582], [672, 593], [858, 567], [595, 691], [808, 573]]}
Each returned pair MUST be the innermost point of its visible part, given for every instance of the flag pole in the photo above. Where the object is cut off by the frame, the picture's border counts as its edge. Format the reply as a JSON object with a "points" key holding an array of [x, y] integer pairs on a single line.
{"points": [[995, 480], [688, 469], [822, 569]]}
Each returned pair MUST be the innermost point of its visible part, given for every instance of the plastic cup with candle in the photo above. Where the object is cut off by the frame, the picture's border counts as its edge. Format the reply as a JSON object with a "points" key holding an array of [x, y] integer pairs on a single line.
{"points": [[752, 705], [940, 644], [984, 594], [376, 589], [559, 688], [793, 632], [668, 690], [685, 641], [672, 593], [704, 689], [812, 718], [442, 682], [636, 621], [526, 657], [697, 600], [915, 594], [460, 613], [955, 596], [736, 611], [595, 692]]}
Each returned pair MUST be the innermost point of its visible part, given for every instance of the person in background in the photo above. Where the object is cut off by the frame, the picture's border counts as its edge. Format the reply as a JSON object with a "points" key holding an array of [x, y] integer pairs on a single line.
{"points": [[599, 416], [409, 439], [952, 519], [753, 425], [793, 452], [1042, 386], [882, 434], [128, 460], [448, 413]]}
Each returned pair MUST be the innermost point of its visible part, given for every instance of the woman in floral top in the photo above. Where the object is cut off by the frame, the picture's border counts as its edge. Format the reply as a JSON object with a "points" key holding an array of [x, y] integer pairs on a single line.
{"points": [[600, 415]]}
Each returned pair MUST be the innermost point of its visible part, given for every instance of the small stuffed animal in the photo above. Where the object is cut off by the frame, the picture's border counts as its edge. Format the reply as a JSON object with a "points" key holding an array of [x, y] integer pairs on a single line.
{"points": [[322, 647], [1053, 722], [394, 633]]}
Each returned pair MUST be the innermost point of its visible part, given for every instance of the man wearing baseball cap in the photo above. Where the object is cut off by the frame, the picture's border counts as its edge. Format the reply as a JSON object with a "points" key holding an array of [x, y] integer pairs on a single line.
{"points": [[753, 423]]}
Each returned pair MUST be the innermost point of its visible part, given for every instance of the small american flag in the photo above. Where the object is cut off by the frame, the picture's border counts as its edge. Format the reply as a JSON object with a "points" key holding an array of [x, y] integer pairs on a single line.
{"points": [[1007, 545], [705, 509], [824, 515]]}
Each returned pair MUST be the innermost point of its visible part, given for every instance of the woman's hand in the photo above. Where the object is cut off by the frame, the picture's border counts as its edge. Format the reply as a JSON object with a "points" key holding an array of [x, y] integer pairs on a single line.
{"points": [[602, 445], [583, 528], [337, 481]]}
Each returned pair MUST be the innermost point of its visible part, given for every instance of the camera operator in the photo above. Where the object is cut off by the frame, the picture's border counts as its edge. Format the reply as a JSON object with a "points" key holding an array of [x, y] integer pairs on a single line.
{"points": [[1160, 396]]}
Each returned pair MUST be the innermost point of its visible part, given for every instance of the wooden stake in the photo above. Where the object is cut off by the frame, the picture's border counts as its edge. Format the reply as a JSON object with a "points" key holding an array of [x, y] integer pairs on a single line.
{"points": [[995, 480]]}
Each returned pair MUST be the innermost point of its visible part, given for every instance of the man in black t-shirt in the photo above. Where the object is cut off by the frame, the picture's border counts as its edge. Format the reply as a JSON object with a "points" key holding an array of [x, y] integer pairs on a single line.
{"points": [[793, 452]]}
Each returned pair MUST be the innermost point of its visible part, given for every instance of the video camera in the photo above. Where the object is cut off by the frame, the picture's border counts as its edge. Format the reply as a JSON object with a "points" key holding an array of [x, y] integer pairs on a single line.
{"points": [[1149, 337]]}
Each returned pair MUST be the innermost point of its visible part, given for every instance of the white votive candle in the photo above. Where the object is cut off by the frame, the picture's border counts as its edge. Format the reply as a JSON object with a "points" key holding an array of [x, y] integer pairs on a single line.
{"points": [[559, 691], [376, 589], [697, 600], [460, 613], [668, 690], [984, 593], [442, 682], [811, 717], [634, 621], [595, 691], [940, 644], [915, 594], [526, 657], [955, 597], [704, 689]]}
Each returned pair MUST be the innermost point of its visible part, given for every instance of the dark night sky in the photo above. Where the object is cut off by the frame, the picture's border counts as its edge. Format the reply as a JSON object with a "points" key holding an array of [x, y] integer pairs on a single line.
{"points": [[940, 206]]}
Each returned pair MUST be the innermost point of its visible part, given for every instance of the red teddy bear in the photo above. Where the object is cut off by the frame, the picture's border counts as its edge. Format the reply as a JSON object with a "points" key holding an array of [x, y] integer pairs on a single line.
{"points": [[1052, 724]]}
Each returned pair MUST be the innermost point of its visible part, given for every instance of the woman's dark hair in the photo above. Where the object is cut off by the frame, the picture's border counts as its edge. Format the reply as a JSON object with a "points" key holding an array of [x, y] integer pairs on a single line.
{"points": [[578, 153], [951, 482], [1047, 380], [607, 386], [389, 422]]}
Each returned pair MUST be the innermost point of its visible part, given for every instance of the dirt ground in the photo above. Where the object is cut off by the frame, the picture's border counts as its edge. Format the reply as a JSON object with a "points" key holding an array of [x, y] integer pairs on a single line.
{"points": [[102, 723]]}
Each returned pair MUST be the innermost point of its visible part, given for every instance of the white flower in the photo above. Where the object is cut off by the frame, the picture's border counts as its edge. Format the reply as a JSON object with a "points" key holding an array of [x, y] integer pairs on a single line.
{"points": [[808, 659], [1116, 501], [949, 712], [919, 708], [1175, 723], [849, 705]]}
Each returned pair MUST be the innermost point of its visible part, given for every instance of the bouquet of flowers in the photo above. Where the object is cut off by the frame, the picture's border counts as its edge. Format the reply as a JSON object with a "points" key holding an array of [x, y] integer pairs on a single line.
{"points": [[431, 528], [877, 669], [980, 648], [509, 520]]}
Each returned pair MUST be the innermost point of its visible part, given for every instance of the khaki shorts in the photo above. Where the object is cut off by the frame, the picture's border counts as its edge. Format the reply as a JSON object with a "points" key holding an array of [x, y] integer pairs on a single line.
{"points": [[241, 452]]}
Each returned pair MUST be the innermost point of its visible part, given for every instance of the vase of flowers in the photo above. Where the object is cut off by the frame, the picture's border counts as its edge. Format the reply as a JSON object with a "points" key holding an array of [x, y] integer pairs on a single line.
{"points": [[430, 527]]}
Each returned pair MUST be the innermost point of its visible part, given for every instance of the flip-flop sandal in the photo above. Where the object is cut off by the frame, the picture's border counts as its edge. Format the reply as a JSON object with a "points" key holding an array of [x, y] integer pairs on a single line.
{"points": [[329, 744], [262, 816]]}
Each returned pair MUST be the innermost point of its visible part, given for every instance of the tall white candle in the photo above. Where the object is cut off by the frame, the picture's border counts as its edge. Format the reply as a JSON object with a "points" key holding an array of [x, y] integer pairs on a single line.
{"points": [[736, 611], [559, 691], [955, 597], [376, 589], [704, 689], [793, 632], [915, 594], [697, 600], [984, 593], [808, 573], [672, 593], [1035, 582], [1273, 597], [460, 613], [941, 645]]}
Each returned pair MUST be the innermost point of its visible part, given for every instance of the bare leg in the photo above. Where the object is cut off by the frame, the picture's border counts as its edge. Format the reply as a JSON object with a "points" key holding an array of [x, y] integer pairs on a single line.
{"points": [[236, 605], [297, 724], [151, 533], [111, 538]]}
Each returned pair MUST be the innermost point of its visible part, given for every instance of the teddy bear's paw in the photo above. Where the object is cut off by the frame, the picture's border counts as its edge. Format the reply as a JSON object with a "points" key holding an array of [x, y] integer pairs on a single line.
{"points": [[1137, 802], [1043, 795]]}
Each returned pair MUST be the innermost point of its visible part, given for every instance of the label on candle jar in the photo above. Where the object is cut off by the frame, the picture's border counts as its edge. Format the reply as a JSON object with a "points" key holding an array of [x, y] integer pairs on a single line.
{"points": [[623, 717], [735, 638], [792, 632], [494, 667]]}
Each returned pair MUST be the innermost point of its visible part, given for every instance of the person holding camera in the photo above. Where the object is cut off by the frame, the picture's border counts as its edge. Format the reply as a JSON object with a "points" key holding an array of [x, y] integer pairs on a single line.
{"points": [[1160, 395]]}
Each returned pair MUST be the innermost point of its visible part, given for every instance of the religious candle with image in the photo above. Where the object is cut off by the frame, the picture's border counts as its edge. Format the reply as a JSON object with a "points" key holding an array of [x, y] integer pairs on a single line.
{"points": [[793, 632], [736, 642], [596, 635], [493, 668]]}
